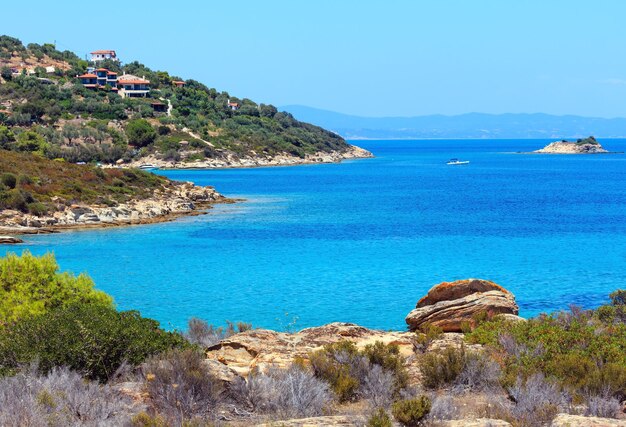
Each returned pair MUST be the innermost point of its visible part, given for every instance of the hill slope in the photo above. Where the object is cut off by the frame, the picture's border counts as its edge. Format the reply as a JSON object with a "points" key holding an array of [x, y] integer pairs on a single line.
{"points": [[473, 125], [45, 108], [38, 192]]}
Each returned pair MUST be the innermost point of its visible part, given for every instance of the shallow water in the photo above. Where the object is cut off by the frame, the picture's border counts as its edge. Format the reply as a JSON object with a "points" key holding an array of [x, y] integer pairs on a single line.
{"points": [[363, 240]]}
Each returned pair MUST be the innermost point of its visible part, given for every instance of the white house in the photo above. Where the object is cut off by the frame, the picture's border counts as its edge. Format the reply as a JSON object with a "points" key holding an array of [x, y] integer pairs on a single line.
{"points": [[130, 86], [101, 55]]}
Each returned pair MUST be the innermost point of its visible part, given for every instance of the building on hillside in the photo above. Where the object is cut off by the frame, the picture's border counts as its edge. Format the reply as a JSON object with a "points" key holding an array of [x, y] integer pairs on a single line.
{"points": [[159, 107], [178, 83], [101, 55], [130, 86], [89, 80], [233, 105], [106, 77], [99, 79]]}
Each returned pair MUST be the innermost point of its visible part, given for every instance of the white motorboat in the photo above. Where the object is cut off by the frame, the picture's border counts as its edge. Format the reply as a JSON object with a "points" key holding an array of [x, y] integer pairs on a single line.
{"points": [[455, 162]]}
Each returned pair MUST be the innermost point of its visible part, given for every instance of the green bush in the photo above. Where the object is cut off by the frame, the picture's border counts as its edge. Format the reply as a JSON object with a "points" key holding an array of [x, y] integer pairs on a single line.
{"points": [[33, 285], [388, 357], [335, 365], [140, 133], [411, 412], [581, 349], [37, 209], [442, 368], [93, 339], [344, 366], [9, 180], [379, 418]]}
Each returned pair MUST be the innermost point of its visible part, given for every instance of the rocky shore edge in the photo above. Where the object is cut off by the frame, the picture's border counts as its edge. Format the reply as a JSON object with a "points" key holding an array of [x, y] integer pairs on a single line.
{"points": [[450, 306], [166, 204], [230, 160]]}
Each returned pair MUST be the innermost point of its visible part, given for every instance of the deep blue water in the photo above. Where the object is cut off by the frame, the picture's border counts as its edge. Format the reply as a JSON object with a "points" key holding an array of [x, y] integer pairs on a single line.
{"points": [[362, 241]]}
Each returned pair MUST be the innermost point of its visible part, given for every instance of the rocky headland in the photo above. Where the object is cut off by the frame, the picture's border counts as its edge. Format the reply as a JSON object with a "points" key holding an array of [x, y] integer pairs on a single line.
{"points": [[165, 204], [232, 160], [582, 146]]}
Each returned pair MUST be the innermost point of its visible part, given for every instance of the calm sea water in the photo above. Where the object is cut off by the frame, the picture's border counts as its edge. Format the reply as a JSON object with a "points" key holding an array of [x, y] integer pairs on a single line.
{"points": [[363, 240]]}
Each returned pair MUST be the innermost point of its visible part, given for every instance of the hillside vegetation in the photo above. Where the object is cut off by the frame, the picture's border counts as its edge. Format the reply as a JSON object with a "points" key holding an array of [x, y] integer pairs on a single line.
{"points": [[51, 112], [34, 184]]}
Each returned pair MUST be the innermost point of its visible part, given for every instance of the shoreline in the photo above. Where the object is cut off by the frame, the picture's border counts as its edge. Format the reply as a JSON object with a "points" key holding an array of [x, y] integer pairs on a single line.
{"points": [[248, 162], [186, 199]]}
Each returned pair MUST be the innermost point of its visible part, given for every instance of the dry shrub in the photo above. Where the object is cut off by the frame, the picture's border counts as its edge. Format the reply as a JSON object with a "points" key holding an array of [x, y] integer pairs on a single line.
{"points": [[442, 368], [537, 400], [444, 408], [479, 373], [378, 387], [181, 386], [411, 412], [351, 373], [287, 393], [61, 397], [603, 406], [201, 333]]}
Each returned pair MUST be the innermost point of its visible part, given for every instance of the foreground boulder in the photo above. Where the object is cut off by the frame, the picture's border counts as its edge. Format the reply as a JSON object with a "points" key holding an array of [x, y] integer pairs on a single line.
{"points": [[450, 305]]}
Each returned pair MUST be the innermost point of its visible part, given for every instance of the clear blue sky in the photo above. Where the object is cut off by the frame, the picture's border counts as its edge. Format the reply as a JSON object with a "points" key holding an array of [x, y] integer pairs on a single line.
{"points": [[373, 58]]}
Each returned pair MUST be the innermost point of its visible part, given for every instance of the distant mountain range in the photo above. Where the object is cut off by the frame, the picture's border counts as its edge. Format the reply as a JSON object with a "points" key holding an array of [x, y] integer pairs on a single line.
{"points": [[472, 125]]}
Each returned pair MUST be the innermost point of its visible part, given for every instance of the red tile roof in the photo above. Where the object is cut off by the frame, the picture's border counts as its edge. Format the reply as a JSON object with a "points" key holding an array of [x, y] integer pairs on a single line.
{"points": [[134, 82], [112, 52], [88, 76]]}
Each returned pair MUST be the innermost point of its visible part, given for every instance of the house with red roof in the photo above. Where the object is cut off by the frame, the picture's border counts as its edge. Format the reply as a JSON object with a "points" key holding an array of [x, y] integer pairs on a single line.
{"points": [[101, 55], [130, 86]]}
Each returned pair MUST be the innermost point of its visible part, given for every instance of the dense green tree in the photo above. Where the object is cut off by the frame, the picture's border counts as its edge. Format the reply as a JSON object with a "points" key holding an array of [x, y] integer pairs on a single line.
{"points": [[31, 141], [33, 285], [6, 137], [140, 133]]}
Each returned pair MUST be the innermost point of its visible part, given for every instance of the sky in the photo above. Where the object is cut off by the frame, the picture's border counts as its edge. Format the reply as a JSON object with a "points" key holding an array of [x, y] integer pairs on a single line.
{"points": [[361, 57]]}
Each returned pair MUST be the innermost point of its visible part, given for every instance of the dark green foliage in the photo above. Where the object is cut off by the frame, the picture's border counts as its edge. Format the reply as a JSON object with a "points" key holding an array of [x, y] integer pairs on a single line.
{"points": [[8, 179], [6, 74], [140, 133], [411, 412], [442, 368], [336, 364], [92, 339]]}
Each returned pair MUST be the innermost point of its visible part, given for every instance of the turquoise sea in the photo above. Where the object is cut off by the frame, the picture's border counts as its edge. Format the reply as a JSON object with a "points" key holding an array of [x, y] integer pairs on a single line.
{"points": [[362, 241]]}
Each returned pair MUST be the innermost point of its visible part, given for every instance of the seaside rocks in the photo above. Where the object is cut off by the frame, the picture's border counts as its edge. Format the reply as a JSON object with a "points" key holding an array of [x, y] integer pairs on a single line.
{"points": [[263, 349], [450, 305], [582, 146], [10, 240]]}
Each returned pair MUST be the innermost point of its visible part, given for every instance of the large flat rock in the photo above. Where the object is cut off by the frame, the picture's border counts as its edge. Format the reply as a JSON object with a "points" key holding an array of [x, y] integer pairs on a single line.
{"points": [[450, 305]]}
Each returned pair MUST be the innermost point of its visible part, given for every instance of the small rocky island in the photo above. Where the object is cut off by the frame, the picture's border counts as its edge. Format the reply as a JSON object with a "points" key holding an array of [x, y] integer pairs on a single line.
{"points": [[582, 146]]}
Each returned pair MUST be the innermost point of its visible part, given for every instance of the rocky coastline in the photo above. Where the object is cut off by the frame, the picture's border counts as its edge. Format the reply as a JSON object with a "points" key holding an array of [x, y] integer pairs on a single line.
{"points": [[231, 160], [165, 204], [450, 305], [582, 146]]}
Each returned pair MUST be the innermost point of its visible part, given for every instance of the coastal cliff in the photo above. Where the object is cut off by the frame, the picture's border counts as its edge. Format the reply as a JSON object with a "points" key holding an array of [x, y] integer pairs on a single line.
{"points": [[581, 146]]}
